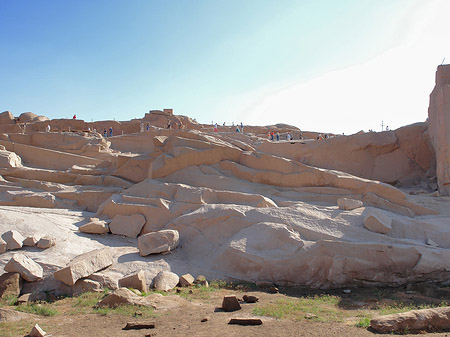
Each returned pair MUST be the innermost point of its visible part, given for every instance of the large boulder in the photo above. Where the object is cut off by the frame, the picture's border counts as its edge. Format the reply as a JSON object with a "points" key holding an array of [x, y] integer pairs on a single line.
{"points": [[84, 265], [377, 221], [436, 319], [13, 239], [135, 281], [165, 280], [158, 242], [10, 284], [127, 225], [26, 267]]}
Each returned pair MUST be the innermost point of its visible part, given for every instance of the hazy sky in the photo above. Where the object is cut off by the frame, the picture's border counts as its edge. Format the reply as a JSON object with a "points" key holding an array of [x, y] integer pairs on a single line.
{"points": [[325, 65]]}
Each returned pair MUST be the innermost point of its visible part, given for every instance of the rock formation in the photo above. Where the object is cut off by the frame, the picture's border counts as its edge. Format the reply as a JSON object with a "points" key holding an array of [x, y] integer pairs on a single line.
{"points": [[148, 201]]}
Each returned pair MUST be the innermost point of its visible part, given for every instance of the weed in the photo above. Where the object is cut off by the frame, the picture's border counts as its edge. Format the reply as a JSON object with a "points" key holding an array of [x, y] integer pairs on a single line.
{"points": [[88, 299], [364, 322], [37, 309]]}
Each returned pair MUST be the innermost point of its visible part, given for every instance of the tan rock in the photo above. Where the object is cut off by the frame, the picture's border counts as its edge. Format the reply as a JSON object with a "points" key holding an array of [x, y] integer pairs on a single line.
{"points": [[377, 221], [3, 245], [106, 279], [95, 226], [158, 242], [230, 303], [10, 284], [9, 159], [129, 226], [46, 242], [10, 315], [135, 281], [186, 280], [26, 267], [30, 241], [121, 296], [37, 331], [23, 299], [84, 265], [435, 319], [13, 239], [349, 204], [165, 280], [85, 285]]}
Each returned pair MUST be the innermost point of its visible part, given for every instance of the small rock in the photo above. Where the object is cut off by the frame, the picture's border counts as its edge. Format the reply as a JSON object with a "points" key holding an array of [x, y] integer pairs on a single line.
{"points": [[377, 221], [349, 204], [85, 285], [25, 298], [346, 291], [191, 291], [158, 242], [165, 280], [13, 240], [200, 278], [310, 316], [432, 243], [186, 280], [37, 331], [135, 281], [139, 325], [95, 226], [245, 321], [250, 299], [230, 303], [2, 246], [30, 241], [205, 319], [273, 290], [46, 242]]}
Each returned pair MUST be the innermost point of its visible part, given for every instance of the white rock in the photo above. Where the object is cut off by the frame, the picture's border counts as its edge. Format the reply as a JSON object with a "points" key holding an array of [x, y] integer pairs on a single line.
{"points": [[377, 221], [349, 204], [13, 240], [432, 243], [158, 242], [165, 280], [26, 267], [127, 225], [95, 226], [30, 241], [46, 242]]}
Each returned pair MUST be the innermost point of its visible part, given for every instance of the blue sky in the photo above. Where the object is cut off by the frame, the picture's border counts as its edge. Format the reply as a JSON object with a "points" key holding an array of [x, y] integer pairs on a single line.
{"points": [[333, 66]]}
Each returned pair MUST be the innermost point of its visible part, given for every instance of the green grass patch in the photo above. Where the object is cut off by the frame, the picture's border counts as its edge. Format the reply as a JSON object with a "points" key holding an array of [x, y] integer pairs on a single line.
{"points": [[364, 322], [37, 309], [323, 306], [127, 310], [88, 299], [403, 307], [13, 329]]}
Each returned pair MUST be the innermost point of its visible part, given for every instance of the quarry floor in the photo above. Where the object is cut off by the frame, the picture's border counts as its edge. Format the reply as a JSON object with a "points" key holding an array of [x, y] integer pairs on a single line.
{"points": [[337, 317]]}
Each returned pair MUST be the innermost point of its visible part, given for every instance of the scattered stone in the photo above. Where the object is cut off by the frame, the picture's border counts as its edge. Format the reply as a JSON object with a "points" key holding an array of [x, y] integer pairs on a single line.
{"points": [[230, 303], [310, 316], [135, 281], [346, 291], [46, 242], [10, 284], [13, 239], [84, 265], [349, 204], [273, 290], [3, 246], [165, 280], [158, 242], [186, 280], [37, 331], [26, 267], [245, 321], [432, 243], [95, 226], [85, 285], [127, 225], [205, 319], [377, 221], [121, 296], [191, 291], [250, 299], [30, 241], [139, 325], [436, 319], [202, 281], [25, 298]]}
